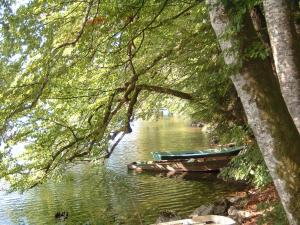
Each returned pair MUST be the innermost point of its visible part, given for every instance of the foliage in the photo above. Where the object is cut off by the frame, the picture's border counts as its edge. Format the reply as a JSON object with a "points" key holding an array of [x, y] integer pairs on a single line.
{"points": [[248, 166], [73, 71]]}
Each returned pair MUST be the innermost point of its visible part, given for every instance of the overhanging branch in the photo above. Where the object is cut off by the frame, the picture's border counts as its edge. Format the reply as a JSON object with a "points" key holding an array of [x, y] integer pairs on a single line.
{"points": [[88, 10], [165, 90]]}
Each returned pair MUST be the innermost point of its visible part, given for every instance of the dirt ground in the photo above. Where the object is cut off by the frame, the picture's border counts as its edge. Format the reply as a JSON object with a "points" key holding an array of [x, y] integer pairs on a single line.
{"points": [[256, 196]]}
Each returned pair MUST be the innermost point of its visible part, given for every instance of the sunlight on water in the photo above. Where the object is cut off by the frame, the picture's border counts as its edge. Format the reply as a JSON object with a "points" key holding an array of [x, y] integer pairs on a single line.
{"points": [[113, 195]]}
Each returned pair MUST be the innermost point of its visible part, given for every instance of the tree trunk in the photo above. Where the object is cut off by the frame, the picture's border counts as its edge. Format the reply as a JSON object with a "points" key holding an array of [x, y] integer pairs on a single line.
{"points": [[286, 53], [260, 26], [296, 15], [267, 114]]}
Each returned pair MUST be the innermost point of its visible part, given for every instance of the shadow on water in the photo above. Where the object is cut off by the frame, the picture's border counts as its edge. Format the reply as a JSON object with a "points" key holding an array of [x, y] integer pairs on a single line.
{"points": [[113, 195]]}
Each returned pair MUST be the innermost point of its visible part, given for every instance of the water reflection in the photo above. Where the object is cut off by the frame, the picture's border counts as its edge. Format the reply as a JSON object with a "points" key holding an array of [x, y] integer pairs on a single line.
{"points": [[113, 195]]}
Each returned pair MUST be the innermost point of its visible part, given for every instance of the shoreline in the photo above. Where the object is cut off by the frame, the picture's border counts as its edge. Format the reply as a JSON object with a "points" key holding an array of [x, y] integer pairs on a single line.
{"points": [[246, 207]]}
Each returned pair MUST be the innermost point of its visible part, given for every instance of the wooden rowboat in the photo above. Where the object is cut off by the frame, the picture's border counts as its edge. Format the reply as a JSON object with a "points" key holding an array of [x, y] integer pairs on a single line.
{"points": [[207, 164]]}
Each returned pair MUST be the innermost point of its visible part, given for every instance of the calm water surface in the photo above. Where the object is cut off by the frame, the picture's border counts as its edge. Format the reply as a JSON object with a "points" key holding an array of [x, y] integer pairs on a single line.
{"points": [[112, 195]]}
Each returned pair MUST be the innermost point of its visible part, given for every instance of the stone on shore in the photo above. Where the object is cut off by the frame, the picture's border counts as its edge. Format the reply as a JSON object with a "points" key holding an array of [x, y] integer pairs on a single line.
{"points": [[167, 216], [217, 208]]}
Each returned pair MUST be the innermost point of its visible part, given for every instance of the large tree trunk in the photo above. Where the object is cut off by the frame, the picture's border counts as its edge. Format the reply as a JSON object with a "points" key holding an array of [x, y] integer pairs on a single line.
{"points": [[296, 14], [286, 53], [267, 114]]}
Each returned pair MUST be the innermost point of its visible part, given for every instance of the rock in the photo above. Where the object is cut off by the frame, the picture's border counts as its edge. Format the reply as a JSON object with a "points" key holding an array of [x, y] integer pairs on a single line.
{"points": [[167, 216], [221, 207], [232, 211], [203, 210], [234, 214], [61, 215], [239, 215], [237, 201], [217, 208], [234, 199]]}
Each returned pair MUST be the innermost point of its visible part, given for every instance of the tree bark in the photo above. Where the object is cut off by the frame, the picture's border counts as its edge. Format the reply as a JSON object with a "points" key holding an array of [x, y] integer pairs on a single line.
{"points": [[260, 25], [285, 45], [296, 14], [267, 114]]}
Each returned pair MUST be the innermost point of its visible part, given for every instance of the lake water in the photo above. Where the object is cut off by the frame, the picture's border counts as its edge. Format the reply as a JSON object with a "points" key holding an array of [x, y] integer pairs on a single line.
{"points": [[109, 194]]}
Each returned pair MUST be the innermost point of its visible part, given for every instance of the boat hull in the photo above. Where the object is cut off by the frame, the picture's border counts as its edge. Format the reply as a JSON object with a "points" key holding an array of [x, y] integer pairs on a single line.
{"points": [[209, 164]]}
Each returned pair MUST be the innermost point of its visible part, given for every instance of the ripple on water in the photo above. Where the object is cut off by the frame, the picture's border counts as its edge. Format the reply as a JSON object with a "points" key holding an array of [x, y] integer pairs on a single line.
{"points": [[112, 195]]}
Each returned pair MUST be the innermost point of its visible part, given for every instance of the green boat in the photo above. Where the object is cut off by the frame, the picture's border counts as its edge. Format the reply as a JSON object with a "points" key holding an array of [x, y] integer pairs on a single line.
{"points": [[222, 151]]}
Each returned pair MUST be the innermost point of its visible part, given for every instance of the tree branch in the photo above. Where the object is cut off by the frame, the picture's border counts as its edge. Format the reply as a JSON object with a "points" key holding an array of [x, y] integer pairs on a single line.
{"points": [[165, 90], [174, 17], [22, 106], [130, 110], [114, 146], [81, 29]]}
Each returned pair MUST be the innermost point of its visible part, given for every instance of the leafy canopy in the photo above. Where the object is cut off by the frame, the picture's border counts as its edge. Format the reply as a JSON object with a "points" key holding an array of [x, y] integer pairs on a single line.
{"points": [[73, 71]]}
